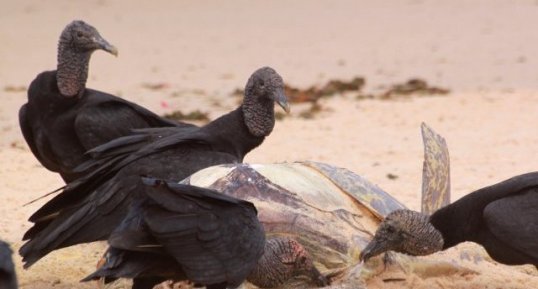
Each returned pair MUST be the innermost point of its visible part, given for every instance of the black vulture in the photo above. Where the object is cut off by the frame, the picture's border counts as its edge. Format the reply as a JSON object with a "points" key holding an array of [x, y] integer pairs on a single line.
{"points": [[8, 278], [503, 218], [185, 232], [91, 207], [63, 119]]}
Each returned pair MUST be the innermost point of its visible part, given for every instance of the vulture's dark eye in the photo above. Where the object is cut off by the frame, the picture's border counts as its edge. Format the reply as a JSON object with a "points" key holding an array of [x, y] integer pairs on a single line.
{"points": [[80, 34]]}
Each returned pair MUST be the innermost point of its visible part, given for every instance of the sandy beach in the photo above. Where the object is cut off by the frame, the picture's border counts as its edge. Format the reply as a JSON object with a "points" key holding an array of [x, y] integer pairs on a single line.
{"points": [[199, 52]]}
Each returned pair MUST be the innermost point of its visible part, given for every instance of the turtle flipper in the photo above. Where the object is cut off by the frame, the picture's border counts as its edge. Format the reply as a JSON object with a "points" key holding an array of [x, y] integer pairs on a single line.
{"points": [[435, 171]]}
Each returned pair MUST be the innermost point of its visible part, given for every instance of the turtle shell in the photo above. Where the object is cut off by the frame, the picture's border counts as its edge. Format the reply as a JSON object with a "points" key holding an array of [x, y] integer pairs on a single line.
{"points": [[332, 211]]}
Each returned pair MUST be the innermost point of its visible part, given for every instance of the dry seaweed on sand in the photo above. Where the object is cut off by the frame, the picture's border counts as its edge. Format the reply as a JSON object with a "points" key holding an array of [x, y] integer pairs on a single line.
{"points": [[332, 87], [412, 87], [195, 115], [155, 86], [15, 88]]}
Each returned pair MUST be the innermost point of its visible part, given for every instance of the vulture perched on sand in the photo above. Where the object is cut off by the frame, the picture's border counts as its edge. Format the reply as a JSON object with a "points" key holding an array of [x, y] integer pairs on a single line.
{"points": [[183, 232], [63, 119], [503, 218], [8, 278], [90, 208]]}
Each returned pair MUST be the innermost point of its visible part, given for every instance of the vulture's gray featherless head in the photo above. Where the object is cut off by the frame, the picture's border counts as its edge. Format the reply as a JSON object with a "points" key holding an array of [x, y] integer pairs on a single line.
{"points": [[77, 43], [284, 258], [406, 232], [82, 37], [266, 84], [264, 87]]}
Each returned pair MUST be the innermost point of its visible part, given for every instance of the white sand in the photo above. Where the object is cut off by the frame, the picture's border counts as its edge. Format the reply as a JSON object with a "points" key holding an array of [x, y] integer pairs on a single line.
{"points": [[486, 52]]}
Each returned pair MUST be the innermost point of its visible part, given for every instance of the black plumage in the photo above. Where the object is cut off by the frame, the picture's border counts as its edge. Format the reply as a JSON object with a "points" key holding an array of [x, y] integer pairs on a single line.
{"points": [[185, 232], [63, 119], [503, 218], [90, 208], [8, 278]]}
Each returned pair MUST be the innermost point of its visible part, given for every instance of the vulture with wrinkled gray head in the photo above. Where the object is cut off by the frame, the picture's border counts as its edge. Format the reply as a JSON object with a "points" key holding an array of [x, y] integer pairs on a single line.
{"points": [[63, 119], [503, 218]]}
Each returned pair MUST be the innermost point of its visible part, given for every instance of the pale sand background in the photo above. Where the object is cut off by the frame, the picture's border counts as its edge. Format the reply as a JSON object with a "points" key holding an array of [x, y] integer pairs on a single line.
{"points": [[486, 52]]}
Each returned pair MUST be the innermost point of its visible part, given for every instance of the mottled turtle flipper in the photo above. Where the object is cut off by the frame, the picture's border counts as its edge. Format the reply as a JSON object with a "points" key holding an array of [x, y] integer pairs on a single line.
{"points": [[435, 171]]}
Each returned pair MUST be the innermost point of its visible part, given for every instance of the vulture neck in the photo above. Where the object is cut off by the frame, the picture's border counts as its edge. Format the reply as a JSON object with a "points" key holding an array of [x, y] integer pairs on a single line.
{"points": [[259, 114], [72, 70], [232, 134], [463, 220], [453, 226]]}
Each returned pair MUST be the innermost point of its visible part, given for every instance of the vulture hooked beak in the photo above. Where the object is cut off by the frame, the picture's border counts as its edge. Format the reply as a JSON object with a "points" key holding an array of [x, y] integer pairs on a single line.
{"points": [[282, 100], [373, 248], [103, 44]]}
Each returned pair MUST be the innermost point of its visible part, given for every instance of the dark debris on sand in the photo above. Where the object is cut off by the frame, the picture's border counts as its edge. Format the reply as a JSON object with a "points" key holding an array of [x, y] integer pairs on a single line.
{"points": [[195, 115], [413, 87], [15, 88], [155, 86]]}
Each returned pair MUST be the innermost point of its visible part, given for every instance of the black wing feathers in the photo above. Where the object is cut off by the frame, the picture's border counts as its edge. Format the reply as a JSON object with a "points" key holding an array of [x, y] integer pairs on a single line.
{"points": [[514, 220], [130, 264], [104, 117], [85, 186], [132, 234], [211, 238], [60, 129], [30, 139], [511, 186], [215, 238], [99, 124], [88, 221], [164, 197], [137, 139]]}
